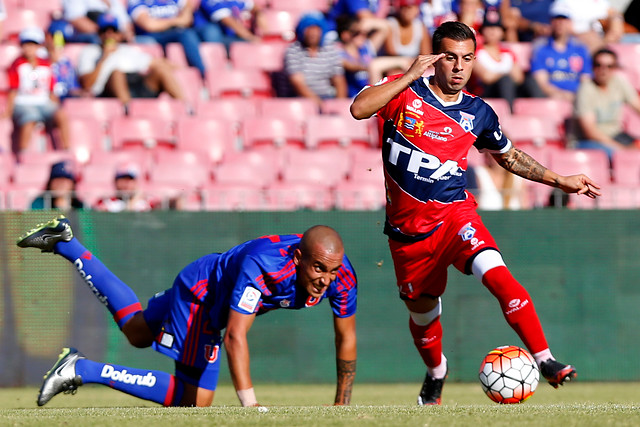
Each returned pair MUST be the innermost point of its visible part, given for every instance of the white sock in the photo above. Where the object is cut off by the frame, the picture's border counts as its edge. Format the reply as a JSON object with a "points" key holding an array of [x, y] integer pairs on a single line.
{"points": [[440, 371], [543, 356]]}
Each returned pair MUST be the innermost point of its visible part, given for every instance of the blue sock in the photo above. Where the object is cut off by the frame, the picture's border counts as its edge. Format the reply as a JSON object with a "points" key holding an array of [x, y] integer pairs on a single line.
{"points": [[156, 386], [121, 301]]}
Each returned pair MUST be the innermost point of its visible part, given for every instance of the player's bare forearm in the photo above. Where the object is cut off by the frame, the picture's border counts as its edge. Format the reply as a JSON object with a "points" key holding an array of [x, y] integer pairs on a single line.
{"points": [[346, 375], [520, 163]]}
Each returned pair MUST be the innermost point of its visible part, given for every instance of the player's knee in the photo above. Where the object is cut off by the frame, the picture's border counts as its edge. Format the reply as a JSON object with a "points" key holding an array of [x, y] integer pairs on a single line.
{"points": [[485, 261], [137, 332], [423, 319]]}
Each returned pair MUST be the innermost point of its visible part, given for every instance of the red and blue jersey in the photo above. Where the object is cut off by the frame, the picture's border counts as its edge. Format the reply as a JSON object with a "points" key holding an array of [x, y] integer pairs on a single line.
{"points": [[259, 275], [425, 142]]}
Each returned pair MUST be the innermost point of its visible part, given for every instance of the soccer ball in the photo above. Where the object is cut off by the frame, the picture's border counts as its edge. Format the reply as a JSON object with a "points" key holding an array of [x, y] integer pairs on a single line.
{"points": [[509, 374]]}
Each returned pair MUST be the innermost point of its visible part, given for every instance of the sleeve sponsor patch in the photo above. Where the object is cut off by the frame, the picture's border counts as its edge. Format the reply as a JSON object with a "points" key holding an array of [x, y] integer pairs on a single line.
{"points": [[249, 300]]}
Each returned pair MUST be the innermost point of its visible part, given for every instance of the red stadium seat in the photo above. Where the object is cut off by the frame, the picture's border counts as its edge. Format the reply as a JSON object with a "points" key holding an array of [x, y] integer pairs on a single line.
{"points": [[338, 161], [339, 106], [626, 167], [8, 53], [101, 109], [299, 6], [533, 130], [272, 131], [298, 195], [72, 51], [360, 196], [231, 109], [141, 158], [6, 130], [191, 84], [267, 56], [631, 121], [522, 51], [547, 108], [619, 196], [593, 163], [238, 83], [130, 132], [42, 5], [288, 108], [214, 138], [214, 56], [338, 130], [19, 199], [279, 24], [20, 18], [30, 175], [86, 138], [98, 175], [153, 49], [182, 176], [500, 106], [240, 172], [628, 55], [234, 197], [163, 108]]}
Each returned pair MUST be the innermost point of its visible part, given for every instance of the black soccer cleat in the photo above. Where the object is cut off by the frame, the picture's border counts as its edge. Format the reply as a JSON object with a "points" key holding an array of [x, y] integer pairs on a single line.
{"points": [[44, 236], [431, 392], [62, 377], [557, 373]]}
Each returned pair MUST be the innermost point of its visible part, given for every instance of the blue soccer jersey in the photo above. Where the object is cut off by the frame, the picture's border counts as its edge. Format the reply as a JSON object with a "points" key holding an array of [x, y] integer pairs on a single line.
{"points": [[425, 145], [565, 68], [158, 9], [260, 275]]}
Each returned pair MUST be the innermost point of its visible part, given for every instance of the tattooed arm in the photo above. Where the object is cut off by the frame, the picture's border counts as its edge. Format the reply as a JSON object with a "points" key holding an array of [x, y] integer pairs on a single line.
{"points": [[346, 354], [520, 163]]}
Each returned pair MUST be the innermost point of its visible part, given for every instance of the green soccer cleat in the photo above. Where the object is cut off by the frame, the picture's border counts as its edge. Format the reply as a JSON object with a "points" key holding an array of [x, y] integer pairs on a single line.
{"points": [[557, 373], [44, 236], [61, 377]]}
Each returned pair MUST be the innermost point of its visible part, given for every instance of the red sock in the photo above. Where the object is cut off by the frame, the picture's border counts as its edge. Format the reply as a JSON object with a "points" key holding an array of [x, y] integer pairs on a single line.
{"points": [[517, 307], [428, 341]]}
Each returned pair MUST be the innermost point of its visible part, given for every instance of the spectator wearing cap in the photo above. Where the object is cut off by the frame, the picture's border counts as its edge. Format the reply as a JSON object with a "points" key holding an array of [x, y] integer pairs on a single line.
{"points": [[560, 62], [167, 21], [31, 97], [128, 196], [496, 73], [407, 36], [67, 83], [60, 190], [314, 68], [123, 71], [82, 15]]}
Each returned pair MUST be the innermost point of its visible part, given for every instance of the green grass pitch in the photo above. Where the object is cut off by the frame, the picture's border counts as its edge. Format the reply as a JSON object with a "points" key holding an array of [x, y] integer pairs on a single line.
{"points": [[575, 404]]}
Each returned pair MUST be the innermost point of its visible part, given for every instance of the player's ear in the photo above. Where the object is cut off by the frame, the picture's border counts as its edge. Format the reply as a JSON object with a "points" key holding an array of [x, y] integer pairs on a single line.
{"points": [[297, 256]]}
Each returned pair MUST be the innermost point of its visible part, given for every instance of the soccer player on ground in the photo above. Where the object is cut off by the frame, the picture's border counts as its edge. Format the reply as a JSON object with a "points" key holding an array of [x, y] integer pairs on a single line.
{"points": [[215, 292], [428, 126]]}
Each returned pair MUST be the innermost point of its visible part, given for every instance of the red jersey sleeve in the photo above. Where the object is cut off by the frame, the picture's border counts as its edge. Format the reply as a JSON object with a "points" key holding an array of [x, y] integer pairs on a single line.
{"points": [[393, 106], [12, 74]]}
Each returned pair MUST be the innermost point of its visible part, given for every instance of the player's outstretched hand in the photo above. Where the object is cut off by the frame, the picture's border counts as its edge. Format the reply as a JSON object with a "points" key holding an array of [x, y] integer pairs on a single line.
{"points": [[579, 184], [421, 64]]}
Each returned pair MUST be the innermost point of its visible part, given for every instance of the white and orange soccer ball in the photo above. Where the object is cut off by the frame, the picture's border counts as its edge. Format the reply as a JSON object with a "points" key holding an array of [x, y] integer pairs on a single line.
{"points": [[509, 374]]}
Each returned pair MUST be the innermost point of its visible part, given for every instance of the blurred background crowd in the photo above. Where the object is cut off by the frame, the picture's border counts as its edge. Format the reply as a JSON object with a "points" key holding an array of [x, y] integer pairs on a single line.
{"points": [[136, 105]]}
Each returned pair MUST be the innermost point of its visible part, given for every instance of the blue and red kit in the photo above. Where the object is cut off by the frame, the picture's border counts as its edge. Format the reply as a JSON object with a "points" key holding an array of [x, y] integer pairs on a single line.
{"points": [[431, 218], [254, 277]]}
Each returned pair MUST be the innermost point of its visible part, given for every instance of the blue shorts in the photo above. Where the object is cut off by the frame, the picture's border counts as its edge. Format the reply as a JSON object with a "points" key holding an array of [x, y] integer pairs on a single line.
{"points": [[23, 114], [180, 323]]}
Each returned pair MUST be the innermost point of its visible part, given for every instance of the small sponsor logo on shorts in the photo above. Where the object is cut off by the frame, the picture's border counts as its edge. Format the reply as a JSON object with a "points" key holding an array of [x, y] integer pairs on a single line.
{"points": [[166, 340], [211, 352], [125, 377], [467, 232], [285, 303]]}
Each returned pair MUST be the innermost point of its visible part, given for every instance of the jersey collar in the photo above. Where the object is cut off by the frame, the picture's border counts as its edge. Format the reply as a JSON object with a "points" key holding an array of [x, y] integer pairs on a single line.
{"points": [[440, 100]]}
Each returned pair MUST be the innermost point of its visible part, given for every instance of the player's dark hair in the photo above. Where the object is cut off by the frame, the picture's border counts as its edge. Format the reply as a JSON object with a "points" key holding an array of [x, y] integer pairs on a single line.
{"points": [[453, 30]]}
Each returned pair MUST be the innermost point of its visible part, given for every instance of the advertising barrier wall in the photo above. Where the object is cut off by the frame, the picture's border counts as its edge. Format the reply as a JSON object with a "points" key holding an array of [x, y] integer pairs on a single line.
{"points": [[580, 267]]}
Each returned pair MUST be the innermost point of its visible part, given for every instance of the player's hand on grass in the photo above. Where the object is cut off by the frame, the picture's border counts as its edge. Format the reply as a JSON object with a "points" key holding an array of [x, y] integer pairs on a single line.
{"points": [[579, 184]]}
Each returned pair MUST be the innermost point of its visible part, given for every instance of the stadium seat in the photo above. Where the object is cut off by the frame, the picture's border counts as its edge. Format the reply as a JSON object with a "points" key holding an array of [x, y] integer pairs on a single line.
{"points": [[143, 160], [153, 49], [337, 161], [626, 167], [532, 130], [628, 55], [619, 196], [500, 106], [243, 172], [20, 18], [6, 129], [631, 121], [593, 163], [234, 197], [359, 196], [215, 138], [287, 108], [339, 106], [272, 131], [130, 132], [181, 176], [338, 130], [238, 83], [86, 138], [42, 5], [8, 53], [101, 109], [522, 51], [214, 56], [191, 83], [99, 175], [279, 24], [19, 199], [30, 175], [231, 109], [163, 108], [6, 168], [266, 56], [72, 51], [548, 108], [299, 6], [298, 195]]}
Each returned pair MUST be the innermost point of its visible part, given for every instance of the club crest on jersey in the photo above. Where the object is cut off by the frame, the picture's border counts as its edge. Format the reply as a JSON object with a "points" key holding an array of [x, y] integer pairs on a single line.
{"points": [[411, 125], [467, 232], [466, 121], [285, 303], [211, 352]]}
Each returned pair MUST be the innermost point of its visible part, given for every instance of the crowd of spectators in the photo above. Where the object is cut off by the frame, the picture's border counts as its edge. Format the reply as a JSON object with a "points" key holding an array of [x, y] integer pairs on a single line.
{"points": [[558, 49]]}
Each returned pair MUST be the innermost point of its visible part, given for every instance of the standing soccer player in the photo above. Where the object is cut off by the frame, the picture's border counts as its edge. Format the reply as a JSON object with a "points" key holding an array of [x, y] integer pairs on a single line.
{"points": [[214, 293], [428, 126]]}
